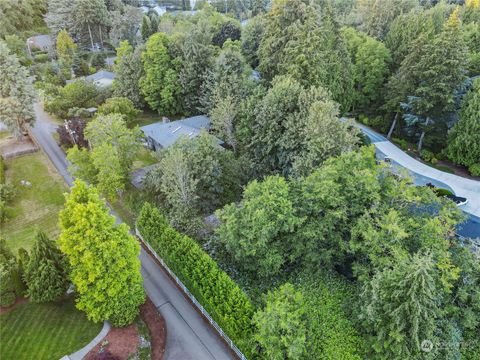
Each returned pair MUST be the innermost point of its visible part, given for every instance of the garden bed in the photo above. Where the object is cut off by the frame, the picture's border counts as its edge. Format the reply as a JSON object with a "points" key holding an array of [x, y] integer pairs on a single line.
{"points": [[144, 339]]}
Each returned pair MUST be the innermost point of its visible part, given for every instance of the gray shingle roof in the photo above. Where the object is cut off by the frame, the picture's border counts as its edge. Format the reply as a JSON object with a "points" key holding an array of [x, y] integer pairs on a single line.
{"points": [[166, 134]]}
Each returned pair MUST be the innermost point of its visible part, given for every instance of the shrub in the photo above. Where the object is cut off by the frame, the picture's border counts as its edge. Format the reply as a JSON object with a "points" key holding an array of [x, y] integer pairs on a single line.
{"points": [[211, 286], [402, 143], [7, 289], [119, 105], [42, 58], [428, 156], [475, 169]]}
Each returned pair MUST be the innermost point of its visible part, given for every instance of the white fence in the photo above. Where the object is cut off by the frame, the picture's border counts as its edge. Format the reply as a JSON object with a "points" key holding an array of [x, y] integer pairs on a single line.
{"points": [[192, 299]]}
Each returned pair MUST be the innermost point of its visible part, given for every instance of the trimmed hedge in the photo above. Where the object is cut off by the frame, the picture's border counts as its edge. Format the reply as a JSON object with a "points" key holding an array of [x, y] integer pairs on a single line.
{"points": [[211, 286]]}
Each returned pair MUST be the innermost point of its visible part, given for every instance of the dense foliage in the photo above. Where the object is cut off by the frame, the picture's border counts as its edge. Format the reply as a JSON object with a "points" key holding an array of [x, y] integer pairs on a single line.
{"points": [[217, 292], [46, 272], [16, 93], [103, 258]]}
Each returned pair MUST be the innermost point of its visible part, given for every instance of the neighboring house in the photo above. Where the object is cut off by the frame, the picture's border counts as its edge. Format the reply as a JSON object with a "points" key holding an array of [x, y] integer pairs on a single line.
{"points": [[41, 42], [101, 78], [164, 134]]}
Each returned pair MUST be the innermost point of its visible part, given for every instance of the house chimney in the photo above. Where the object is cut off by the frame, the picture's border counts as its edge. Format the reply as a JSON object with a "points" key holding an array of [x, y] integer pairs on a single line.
{"points": [[165, 120]]}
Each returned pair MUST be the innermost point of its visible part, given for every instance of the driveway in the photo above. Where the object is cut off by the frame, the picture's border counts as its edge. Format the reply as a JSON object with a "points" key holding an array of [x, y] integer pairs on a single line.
{"points": [[189, 336], [423, 174]]}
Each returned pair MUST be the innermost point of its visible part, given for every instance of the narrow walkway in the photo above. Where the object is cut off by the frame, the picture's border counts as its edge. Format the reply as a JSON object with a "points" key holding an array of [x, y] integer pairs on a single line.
{"points": [[80, 354]]}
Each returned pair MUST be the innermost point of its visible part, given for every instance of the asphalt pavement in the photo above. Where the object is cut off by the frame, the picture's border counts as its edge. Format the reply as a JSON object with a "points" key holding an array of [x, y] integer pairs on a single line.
{"points": [[189, 336]]}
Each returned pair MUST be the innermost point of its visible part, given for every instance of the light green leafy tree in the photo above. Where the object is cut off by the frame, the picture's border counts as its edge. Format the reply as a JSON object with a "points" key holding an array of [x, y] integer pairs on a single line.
{"points": [[160, 84], [65, 47], [103, 258], [281, 330], [119, 105]]}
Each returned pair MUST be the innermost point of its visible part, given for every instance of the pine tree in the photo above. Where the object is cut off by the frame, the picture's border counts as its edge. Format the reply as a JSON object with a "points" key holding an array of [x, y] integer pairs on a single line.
{"points": [[16, 93], [439, 73], [46, 274], [103, 258], [400, 307]]}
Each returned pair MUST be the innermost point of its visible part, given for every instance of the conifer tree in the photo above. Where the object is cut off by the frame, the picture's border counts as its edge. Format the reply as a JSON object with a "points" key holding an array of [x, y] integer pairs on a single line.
{"points": [[103, 258], [46, 275], [16, 93]]}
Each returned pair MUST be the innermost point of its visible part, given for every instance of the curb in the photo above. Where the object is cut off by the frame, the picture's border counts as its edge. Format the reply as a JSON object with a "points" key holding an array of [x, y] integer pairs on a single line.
{"points": [[80, 354]]}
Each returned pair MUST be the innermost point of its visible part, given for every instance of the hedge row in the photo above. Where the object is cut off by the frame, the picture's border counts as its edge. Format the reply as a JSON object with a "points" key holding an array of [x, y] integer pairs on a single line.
{"points": [[212, 287]]}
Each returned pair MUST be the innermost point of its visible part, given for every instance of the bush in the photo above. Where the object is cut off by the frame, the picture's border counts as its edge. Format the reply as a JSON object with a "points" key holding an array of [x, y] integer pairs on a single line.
{"points": [[402, 143], [79, 94], [119, 105], [428, 156], [474, 169], [42, 58], [7, 289], [210, 285]]}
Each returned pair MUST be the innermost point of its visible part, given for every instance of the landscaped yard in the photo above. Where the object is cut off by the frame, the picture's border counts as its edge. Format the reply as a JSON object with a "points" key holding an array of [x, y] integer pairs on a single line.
{"points": [[44, 331], [36, 207]]}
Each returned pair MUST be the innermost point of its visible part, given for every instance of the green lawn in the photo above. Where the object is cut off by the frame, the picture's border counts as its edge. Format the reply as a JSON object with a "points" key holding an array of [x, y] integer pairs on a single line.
{"points": [[36, 207], [44, 331]]}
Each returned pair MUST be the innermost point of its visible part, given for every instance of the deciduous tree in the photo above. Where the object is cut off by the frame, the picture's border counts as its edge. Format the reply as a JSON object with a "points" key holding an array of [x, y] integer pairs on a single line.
{"points": [[160, 84], [260, 237]]}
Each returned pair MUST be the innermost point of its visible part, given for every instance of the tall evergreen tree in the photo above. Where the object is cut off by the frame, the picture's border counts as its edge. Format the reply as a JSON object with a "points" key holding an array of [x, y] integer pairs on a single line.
{"points": [[129, 70], [401, 306], [59, 15], [46, 274], [103, 258], [464, 137], [197, 59], [438, 74], [16, 93]]}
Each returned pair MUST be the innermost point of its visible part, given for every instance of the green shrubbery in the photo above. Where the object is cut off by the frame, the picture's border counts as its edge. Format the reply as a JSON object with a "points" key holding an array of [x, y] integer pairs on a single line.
{"points": [[428, 156], [212, 287], [402, 143]]}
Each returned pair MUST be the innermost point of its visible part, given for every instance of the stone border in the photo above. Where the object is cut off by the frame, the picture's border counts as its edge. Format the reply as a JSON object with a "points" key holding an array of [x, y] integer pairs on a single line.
{"points": [[80, 354]]}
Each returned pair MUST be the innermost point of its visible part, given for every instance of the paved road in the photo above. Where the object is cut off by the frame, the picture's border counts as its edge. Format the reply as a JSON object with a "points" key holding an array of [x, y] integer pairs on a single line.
{"points": [[188, 335], [423, 174]]}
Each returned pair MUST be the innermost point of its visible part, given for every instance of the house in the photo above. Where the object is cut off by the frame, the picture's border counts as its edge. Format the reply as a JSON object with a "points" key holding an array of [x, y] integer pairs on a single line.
{"points": [[165, 133], [101, 78]]}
